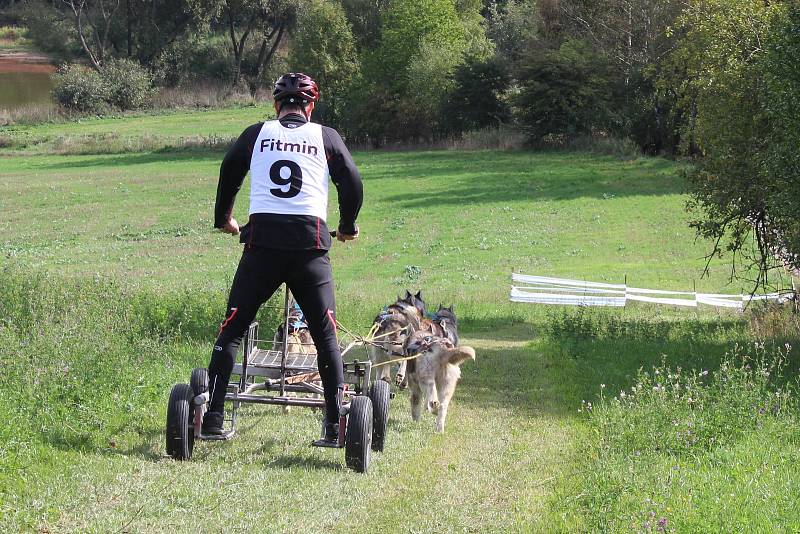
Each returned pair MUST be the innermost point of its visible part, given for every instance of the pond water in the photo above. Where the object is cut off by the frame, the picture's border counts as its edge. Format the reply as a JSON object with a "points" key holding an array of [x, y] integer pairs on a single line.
{"points": [[24, 80]]}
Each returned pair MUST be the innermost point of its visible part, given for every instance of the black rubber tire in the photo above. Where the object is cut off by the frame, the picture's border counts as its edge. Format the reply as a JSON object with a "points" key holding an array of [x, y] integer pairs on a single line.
{"points": [[180, 426], [358, 439], [199, 380], [379, 394]]}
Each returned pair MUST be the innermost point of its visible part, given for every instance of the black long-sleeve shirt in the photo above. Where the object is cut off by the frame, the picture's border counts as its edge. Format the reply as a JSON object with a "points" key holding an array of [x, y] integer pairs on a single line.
{"points": [[289, 232]]}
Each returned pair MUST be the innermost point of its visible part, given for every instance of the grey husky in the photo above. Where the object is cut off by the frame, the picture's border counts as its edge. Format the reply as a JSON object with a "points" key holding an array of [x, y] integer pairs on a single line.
{"points": [[395, 323]]}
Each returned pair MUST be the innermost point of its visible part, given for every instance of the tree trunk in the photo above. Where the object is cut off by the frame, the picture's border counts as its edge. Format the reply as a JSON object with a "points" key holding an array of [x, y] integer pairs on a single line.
{"points": [[128, 25], [238, 45], [264, 58]]}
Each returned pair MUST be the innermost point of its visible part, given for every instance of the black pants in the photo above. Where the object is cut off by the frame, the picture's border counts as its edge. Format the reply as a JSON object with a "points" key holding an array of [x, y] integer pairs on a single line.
{"points": [[261, 271]]}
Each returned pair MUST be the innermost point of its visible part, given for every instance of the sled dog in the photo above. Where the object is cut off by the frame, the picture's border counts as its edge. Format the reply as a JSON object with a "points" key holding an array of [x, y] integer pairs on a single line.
{"points": [[434, 374]]}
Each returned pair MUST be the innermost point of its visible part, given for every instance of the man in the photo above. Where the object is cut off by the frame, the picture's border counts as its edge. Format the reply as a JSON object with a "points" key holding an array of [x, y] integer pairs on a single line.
{"points": [[286, 239]]}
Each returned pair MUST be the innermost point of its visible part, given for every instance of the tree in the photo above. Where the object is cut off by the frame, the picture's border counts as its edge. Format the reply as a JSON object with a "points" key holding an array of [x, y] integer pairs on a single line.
{"points": [[633, 35], [323, 47], [477, 100], [408, 76], [265, 20], [365, 18], [512, 26], [743, 89], [566, 92], [94, 17], [151, 26]]}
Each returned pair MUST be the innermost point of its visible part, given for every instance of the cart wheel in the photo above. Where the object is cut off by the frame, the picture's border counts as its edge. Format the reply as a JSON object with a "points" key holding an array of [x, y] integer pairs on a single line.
{"points": [[199, 380], [180, 428], [379, 394], [358, 439]]}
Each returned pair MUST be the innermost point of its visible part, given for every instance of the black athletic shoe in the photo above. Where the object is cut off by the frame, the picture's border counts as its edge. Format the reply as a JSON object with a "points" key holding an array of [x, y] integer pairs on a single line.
{"points": [[331, 438], [212, 423]]}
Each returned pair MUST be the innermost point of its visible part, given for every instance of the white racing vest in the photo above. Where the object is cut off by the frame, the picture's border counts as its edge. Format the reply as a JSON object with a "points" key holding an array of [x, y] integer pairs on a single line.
{"points": [[289, 171]]}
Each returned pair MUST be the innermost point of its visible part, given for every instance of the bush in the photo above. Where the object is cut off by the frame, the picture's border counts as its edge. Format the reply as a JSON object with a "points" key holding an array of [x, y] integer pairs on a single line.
{"points": [[130, 86], [80, 89], [123, 84]]}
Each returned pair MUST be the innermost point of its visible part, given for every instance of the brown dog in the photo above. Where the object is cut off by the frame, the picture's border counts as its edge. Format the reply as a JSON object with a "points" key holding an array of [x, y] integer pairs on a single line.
{"points": [[442, 324], [299, 340]]}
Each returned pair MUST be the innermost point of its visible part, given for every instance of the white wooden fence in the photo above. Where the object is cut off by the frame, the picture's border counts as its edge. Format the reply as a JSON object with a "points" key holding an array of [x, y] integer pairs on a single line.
{"points": [[547, 290]]}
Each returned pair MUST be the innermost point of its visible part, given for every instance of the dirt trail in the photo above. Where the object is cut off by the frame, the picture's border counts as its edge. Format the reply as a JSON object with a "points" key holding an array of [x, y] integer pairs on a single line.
{"points": [[24, 61]]}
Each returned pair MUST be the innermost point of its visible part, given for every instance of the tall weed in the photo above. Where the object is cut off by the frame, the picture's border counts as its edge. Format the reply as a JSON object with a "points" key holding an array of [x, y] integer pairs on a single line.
{"points": [[679, 411], [672, 451]]}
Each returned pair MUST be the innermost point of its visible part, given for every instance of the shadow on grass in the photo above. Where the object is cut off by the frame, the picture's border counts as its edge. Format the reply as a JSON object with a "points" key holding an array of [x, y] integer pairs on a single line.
{"points": [[303, 462], [142, 158], [504, 177], [143, 449]]}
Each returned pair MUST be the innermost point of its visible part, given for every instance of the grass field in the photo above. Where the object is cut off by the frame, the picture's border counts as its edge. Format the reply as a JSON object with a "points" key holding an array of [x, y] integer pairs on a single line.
{"points": [[113, 283]]}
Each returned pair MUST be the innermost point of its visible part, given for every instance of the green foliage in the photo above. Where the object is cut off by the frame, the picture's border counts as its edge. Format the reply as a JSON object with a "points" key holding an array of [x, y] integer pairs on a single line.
{"points": [[81, 89], [365, 18], [130, 86], [743, 95], [781, 160], [324, 48], [409, 75], [566, 92], [478, 98], [193, 58], [47, 28], [512, 27], [411, 29]]}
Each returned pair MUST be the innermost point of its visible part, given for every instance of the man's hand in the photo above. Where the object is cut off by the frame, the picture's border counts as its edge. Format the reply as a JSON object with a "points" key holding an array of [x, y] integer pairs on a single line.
{"points": [[231, 227], [346, 237]]}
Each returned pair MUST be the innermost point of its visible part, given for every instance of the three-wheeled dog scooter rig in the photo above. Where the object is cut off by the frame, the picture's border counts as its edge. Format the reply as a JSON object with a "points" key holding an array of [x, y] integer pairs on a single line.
{"points": [[280, 377]]}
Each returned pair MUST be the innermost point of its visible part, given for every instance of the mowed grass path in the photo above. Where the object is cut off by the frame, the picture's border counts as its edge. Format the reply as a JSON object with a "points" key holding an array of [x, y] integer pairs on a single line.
{"points": [[493, 470], [454, 225]]}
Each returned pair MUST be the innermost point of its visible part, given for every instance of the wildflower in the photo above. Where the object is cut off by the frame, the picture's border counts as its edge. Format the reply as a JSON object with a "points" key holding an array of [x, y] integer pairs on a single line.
{"points": [[703, 373], [602, 386], [622, 394]]}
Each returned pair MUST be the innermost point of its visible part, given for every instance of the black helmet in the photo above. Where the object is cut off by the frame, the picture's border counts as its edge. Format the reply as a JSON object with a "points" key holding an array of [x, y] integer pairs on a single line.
{"points": [[297, 87]]}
